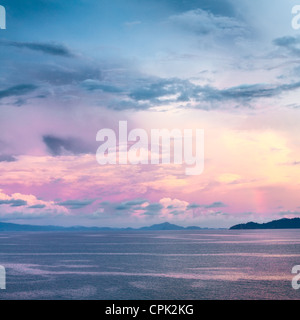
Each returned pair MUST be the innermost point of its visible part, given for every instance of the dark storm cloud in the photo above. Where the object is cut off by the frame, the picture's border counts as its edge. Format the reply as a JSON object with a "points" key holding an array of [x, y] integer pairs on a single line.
{"points": [[177, 212], [130, 205], [216, 205], [17, 90], [7, 158], [194, 206], [47, 48], [37, 206], [291, 44], [122, 207], [153, 209], [76, 204], [135, 202], [152, 89], [60, 146], [92, 85], [14, 202], [186, 91], [246, 92]]}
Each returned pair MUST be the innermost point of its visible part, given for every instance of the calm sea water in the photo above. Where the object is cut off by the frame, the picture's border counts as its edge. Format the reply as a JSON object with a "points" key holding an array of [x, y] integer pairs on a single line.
{"points": [[150, 265]]}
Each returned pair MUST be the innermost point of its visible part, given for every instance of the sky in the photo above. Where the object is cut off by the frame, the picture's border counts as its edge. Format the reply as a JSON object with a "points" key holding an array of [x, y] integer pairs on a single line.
{"points": [[72, 68]]}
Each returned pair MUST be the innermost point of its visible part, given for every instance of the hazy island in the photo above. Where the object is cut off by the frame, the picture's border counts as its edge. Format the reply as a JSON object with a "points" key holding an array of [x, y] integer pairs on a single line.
{"points": [[276, 224], [31, 228]]}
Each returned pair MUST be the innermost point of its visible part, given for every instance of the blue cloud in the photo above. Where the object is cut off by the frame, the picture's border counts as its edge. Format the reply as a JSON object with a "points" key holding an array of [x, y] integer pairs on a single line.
{"points": [[37, 206], [291, 44], [18, 90], [14, 202], [7, 158], [47, 48], [60, 146], [216, 205], [76, 204]]}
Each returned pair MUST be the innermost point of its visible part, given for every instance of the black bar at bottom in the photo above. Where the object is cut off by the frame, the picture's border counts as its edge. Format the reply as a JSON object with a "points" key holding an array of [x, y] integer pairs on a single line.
{"points": [[156, 309]]}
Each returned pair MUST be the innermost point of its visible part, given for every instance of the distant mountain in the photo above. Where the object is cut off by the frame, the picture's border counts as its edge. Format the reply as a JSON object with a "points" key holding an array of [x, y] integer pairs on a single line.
{"points": [[162, 226], [276, 224], [30, 228], [23, 227], [19, 227], [167, 226]]}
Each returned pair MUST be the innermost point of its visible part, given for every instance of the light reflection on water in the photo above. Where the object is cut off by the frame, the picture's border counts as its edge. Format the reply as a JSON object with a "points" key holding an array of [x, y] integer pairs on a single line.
{"points": [[193, 265]]}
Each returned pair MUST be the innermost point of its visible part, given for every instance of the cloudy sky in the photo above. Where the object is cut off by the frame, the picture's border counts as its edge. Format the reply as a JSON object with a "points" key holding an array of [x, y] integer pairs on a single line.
{"points": [[71, 68]]}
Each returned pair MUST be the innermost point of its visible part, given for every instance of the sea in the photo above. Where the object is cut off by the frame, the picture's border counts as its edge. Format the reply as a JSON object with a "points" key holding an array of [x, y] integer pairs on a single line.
{"points": [[150, 265]]}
